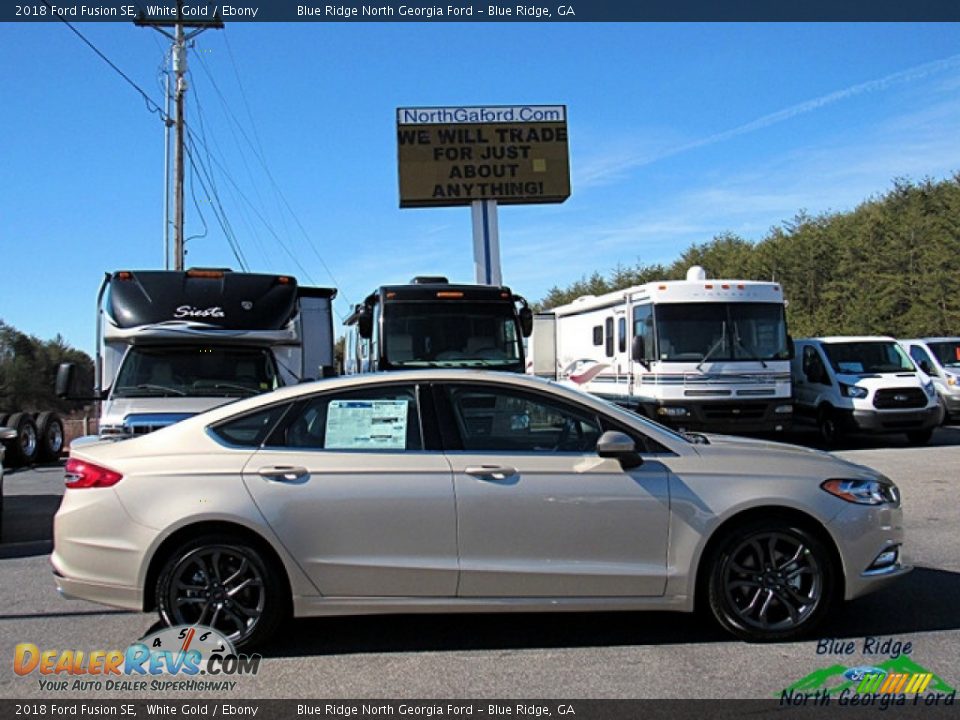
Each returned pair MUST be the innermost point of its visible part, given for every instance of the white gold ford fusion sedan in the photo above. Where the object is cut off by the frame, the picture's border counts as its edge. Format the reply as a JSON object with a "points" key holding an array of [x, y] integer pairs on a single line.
{"points": [[445, 490]]}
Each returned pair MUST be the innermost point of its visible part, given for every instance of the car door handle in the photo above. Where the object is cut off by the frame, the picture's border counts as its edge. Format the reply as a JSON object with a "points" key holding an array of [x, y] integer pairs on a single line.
{"points": [[285, 473], [491, 472]]}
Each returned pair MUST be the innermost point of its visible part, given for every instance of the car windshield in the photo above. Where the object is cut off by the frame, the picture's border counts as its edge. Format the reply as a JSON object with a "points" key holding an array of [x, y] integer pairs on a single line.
{"points": [[425, 334], [699, 332], [947, 353], [196, 371], [867, 357]]}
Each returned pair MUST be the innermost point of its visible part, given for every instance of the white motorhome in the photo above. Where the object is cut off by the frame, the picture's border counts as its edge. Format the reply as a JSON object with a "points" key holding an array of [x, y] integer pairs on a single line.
{"points": [[171, 344], [863, 384], [698, 354]]}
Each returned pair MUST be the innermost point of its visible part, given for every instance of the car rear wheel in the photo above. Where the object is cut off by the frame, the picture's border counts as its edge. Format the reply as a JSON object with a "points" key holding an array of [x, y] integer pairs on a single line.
{"points": [[771, 582], [224, 583]]}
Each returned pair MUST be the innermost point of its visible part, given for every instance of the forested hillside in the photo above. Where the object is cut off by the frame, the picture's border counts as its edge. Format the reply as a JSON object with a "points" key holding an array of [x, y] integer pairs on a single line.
{"points": [[891, 266], [28, 371]]}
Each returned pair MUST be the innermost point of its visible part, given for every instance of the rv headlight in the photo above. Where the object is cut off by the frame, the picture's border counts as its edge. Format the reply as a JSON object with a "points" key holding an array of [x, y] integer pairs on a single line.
{"points": [[929, 389], [852, 391], [878, 491]]}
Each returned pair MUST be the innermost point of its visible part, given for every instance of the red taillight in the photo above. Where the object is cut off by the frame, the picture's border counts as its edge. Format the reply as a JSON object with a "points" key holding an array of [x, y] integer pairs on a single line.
{"points": [[80, 474]]}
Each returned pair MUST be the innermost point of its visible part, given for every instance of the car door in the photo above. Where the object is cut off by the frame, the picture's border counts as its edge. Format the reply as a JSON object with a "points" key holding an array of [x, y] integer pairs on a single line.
{"points": [[539, 513], [348, 483]]}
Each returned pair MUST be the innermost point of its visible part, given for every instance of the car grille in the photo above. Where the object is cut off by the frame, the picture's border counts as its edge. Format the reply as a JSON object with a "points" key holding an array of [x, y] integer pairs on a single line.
{"points": [[899, 398]]}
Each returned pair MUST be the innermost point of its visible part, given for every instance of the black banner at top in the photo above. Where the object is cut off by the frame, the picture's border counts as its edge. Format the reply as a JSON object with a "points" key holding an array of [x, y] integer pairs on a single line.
{"points": [[542, 11]]}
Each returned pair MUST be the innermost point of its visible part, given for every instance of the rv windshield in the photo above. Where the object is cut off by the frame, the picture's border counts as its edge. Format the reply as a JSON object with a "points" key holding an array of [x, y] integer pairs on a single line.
{"points": [[948, 353], [195, 371], [869, 357], [434, 334], [704, 332]]}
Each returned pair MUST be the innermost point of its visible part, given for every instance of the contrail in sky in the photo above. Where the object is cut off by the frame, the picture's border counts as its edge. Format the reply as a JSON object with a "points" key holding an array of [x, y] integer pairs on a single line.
{"points": [[911, 74]]}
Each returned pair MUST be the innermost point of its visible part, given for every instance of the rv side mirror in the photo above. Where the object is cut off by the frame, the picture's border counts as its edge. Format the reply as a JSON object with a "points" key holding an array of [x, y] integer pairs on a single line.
{"points": [[791, 350], [365, 324], [638, 350], [65, 376], [614, 444], [526, 320]]}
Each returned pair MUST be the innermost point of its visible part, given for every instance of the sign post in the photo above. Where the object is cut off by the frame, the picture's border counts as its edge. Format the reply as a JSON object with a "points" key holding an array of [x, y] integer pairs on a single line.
{"points": [[483, 157]]}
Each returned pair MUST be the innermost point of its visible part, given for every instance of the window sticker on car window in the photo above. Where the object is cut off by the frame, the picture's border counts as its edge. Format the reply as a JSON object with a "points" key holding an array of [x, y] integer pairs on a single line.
{"points": [[850, 367], [367, 425]]}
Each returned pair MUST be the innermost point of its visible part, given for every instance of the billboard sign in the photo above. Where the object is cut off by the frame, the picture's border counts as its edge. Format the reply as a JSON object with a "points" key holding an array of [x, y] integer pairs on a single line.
{"points": [[454, 155]]}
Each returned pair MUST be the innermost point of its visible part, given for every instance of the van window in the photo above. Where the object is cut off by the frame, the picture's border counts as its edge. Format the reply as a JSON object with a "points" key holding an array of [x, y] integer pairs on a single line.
{"points": [[813, 367]]}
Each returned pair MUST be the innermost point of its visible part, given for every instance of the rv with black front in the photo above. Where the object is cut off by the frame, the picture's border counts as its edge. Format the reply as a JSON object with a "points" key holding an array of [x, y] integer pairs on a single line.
{"points": [[171, 344], [433, 323]]}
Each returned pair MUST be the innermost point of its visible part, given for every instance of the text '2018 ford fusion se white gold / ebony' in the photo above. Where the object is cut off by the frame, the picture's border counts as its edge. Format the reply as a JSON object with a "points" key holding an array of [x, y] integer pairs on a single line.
{"points": [[451, 491]]}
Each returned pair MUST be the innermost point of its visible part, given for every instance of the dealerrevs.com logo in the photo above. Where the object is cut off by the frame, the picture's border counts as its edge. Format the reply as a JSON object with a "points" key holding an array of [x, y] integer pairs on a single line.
{"points": [[184, 657]]}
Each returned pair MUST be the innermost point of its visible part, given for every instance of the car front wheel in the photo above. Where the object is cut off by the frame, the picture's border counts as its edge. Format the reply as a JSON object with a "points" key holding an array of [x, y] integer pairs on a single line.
{"points": [[771, 582], [224, 583]]}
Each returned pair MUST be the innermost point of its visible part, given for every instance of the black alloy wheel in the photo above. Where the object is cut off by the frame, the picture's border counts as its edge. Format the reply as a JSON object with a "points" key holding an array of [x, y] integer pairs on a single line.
{"points": [[771, 582], [226, 584]]}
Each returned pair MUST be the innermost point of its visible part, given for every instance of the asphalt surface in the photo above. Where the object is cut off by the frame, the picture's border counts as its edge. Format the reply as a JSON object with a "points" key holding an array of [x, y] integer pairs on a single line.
{"points": [[580, 655]]}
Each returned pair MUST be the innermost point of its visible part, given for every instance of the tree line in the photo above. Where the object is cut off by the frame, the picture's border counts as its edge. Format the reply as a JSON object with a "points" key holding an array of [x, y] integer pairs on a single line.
{"points": [[28, 371], [888, 267]]}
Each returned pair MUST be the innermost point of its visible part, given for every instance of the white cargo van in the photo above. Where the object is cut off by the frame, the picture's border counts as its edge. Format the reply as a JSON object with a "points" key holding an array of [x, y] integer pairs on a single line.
{"points": [[939, 357], [862, 384]]}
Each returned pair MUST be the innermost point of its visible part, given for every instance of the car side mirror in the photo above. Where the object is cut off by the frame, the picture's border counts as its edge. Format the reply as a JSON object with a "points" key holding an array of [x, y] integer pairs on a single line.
{"points": [[925, 366], [615, 444]]}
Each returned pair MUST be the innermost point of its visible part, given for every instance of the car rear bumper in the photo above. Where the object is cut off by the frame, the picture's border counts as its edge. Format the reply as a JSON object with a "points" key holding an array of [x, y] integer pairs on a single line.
{"points": [[130, 598]]}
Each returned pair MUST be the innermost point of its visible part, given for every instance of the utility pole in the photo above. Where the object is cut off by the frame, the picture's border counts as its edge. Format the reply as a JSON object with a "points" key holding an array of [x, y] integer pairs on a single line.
{"points": [[180, 38]]}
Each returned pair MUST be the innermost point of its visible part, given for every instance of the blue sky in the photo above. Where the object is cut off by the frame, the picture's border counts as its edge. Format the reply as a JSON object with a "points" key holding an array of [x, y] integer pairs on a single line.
{"points": [[677, 133]]}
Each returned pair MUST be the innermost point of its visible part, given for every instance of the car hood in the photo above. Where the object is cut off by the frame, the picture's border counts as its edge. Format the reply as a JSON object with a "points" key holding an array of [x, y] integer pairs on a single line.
{"points": [[766, 457]]}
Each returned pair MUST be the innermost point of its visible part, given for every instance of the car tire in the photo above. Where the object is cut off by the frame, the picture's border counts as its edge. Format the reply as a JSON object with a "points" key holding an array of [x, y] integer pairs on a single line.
{"points": [[23, 449], [50, 434], [827, 426], [919, 437], [231, 585], [770, 581]]}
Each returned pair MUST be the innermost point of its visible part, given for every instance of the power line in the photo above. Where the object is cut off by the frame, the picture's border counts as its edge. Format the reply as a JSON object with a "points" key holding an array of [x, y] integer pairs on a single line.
{"points": [[152, 106]]}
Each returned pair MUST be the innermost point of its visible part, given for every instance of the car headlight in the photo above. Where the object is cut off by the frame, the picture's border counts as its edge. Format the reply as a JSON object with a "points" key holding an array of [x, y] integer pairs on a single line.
{"points": [[863, 491], [852, 391], [929, 389], [952, 380]]}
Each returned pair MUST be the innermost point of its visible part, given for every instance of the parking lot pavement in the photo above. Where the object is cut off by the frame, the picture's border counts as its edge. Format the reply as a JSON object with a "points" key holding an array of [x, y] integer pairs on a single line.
{"points": [[525, 655]]}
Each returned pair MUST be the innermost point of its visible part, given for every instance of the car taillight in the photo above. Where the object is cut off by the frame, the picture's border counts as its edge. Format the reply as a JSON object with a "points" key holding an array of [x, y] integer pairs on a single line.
{"points": [[81, 474]]}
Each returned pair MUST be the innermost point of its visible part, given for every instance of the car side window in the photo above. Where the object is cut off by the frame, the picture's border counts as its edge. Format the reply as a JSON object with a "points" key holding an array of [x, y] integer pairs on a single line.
{"points": [[384, 419], [506, 420], [251, 429]]}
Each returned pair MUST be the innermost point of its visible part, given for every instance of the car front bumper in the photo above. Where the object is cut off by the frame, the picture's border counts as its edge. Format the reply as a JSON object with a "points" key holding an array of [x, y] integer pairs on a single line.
{"points": [[864, 533]]}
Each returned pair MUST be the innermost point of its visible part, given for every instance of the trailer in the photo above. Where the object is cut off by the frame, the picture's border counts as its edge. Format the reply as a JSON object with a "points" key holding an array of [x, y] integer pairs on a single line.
{"points": [[433, 323], [171, 344], [696, 354]]}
